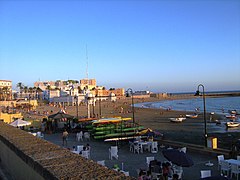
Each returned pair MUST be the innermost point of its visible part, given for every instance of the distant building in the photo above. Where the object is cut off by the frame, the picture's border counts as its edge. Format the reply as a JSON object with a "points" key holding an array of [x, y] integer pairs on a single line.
{"points": [[49, 94], [159, 95], [5, 83], [104, 92], [43, 85], [68, 100], [5, 90], [141, 92], [60, 91], [88, 83]]}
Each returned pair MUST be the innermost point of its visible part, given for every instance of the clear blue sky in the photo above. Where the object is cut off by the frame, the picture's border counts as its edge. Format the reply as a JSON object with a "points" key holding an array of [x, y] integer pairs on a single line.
{"points": [[162, 46]]}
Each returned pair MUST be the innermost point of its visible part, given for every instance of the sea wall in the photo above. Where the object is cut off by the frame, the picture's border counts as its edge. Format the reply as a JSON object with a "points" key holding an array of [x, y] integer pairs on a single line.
{"points": [[28, 157]]}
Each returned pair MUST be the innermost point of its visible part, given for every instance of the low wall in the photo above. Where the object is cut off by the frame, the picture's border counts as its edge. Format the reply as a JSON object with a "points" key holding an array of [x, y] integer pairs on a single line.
{"points": [[196, 148], [19, 169], [28, 157]]}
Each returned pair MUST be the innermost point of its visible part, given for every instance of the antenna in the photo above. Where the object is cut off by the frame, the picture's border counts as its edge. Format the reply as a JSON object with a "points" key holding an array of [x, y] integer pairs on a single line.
{"points": [[87, 62]]}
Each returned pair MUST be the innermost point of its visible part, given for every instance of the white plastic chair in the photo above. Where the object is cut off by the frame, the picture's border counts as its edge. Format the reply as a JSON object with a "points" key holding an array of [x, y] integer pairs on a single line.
{"points": [[86, 136], [183, 149], [39, 135], [85, 154], [235, 169], [113, 152], [177, 170], [220, 158], [149, 159], [137, 148], [225, 167], [102, 162], [238, 158], [131, 146], [79, 148], [205, 173], [126, 173], [79, 136], [147, 147], [154, 148]]}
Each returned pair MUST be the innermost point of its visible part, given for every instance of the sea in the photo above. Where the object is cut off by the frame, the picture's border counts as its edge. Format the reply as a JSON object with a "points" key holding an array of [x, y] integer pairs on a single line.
{"points": [[218, 105]]}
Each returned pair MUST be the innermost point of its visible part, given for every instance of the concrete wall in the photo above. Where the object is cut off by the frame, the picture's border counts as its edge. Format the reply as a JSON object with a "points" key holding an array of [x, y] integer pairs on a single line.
{"points": [[18, 169]]}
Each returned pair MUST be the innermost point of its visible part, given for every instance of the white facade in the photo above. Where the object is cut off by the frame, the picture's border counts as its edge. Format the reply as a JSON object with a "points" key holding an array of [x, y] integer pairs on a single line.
{"points": [[68, 100], [5, 83]]}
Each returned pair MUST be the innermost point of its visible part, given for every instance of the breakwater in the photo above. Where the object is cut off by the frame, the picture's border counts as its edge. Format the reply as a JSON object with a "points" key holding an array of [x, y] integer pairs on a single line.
{"points": [[222, 94]]}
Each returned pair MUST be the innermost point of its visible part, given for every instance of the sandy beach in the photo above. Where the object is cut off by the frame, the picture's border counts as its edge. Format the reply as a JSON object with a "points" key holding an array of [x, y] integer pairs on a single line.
{"points": [[189, 131]]}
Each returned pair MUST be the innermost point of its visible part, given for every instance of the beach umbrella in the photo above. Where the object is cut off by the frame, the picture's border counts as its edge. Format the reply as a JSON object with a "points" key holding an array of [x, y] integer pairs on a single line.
{"points": [[178, 157], [145, 132], [149, 132], [20, 123], [60, 115]]}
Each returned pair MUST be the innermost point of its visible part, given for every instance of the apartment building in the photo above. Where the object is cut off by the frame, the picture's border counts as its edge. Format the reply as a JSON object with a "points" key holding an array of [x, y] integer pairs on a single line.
{"points": [[5, 90], [104, 92], [88, 83]]}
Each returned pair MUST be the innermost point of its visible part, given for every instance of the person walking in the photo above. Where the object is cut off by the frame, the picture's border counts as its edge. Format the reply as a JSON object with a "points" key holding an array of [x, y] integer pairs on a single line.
{"points": [[64, 137]]}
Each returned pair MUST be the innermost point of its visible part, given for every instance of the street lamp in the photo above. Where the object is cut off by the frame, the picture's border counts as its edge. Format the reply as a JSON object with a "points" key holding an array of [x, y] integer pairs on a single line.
{"points": [[204, 112], [29, 102], [128, 95], [100, 109], [76, 98], [99, 98]]}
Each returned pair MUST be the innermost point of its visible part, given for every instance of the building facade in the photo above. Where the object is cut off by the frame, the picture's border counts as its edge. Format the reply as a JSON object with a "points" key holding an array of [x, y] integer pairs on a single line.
{"points": [[5, 90]]}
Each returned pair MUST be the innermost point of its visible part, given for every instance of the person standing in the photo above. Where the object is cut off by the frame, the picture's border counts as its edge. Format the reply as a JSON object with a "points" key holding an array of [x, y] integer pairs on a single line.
{"points": [[64, 137]]}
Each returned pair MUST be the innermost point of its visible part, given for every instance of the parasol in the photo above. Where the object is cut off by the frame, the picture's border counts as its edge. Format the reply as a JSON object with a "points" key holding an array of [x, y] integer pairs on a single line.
{"points": [[178, 157]]}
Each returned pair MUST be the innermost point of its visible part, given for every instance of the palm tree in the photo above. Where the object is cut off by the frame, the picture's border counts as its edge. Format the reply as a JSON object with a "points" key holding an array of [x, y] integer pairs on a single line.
{"points": [[5, 91], [30, 89], [80, 89], [25, 89], [34, 91], [1, 94], [39, 91], [48, 87], [20, 86]]}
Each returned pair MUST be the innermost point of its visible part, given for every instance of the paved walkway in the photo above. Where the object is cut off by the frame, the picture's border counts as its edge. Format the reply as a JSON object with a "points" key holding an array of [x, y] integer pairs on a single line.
{"points": [[131, 162]]}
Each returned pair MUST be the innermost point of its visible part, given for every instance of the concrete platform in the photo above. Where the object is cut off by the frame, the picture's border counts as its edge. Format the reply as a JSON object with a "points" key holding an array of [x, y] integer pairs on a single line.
{"points": [[132, 162]]}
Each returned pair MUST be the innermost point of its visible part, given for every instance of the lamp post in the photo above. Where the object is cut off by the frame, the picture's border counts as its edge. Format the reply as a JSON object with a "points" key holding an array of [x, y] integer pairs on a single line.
{"points": [[99, 98], [93, 104], [29, 102], [76, 98], [100, 109], [131, 91], [204, 112]]}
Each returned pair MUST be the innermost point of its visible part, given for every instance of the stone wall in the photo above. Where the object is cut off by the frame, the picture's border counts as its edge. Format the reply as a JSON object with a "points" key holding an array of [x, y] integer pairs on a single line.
{"points": [[28, 157]]}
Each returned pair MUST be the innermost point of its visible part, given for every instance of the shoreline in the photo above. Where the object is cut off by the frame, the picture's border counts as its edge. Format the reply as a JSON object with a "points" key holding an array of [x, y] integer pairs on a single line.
{"points": [[191, 104]]}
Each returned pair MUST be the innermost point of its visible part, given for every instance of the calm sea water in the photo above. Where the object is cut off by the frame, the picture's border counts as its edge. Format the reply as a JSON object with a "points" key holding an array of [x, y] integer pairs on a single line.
{"points": [[219, 105]]}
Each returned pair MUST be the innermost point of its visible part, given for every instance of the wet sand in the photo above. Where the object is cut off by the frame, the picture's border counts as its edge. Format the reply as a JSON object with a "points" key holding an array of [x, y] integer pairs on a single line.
{"points": [[189, 131]]}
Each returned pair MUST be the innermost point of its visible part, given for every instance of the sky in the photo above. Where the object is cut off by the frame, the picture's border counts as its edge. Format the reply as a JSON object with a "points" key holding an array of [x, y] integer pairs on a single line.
{"points": [[156, 45]]}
